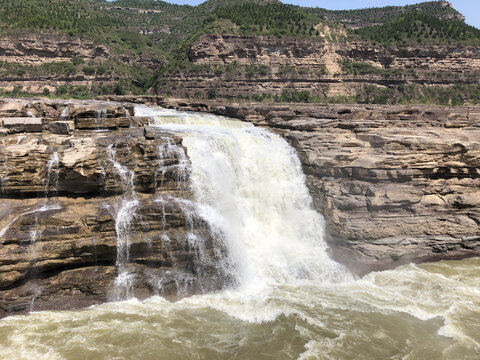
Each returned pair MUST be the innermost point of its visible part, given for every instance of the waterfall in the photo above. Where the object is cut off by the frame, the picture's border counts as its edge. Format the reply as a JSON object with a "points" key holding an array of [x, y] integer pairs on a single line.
{"points": [[100, 117], [127, 115], [65, 113], [288, 299], [253, 184], [53, 162], [168, 150], [125, 175], [123, 215]]}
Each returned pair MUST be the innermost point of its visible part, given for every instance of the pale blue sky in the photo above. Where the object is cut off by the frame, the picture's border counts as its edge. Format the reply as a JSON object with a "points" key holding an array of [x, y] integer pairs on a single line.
{"points": [[469, 8]]}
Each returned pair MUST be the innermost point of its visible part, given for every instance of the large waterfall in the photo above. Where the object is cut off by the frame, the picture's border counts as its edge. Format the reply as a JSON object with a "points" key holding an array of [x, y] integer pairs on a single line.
{"points": [[287, 300], [250, 185]]}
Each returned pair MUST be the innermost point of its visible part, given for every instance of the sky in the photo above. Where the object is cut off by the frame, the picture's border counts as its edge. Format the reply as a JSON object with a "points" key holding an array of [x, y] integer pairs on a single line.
{"points": [[469, 8]]}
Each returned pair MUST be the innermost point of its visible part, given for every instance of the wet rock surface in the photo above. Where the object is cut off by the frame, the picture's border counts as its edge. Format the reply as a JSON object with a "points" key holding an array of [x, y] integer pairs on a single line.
{"points": [[396, 184], [88, 216]]}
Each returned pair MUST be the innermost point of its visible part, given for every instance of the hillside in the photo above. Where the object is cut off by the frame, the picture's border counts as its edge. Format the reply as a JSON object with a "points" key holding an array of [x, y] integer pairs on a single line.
{"points": [[377, 16], [421, 28], [48, 41], [257, 49]]}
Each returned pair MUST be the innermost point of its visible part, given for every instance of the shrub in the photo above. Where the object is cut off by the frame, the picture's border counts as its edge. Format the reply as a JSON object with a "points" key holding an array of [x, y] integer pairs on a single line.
{"points": [[61, 90], [88, 70], [212, 92], [101, 69], [77, 60]]}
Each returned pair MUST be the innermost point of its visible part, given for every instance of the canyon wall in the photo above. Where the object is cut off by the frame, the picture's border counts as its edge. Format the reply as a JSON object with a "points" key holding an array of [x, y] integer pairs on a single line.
{"points": [[34, 62], [242, 66], [218, 49], [316, 67]]}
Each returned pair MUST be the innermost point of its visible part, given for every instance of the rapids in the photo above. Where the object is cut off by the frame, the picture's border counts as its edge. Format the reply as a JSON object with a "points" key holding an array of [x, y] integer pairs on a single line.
{"points": [[287, 300]]}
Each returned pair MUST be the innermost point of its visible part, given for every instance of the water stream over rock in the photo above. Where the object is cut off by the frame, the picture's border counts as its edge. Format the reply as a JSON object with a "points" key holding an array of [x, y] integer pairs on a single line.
{"points": [[266, 287]]}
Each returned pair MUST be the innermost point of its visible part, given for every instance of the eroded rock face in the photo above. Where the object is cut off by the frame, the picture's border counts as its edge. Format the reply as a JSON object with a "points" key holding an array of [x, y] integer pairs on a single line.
{"points": [[395, 184], [40, 48], [215, 49], [26, 51], [315, 66], [98, 215]]}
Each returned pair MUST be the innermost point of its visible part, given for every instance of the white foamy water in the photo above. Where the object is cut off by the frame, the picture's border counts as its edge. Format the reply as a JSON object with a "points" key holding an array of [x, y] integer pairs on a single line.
{"points": [[52, 173], [254, 181], [292, 301]]}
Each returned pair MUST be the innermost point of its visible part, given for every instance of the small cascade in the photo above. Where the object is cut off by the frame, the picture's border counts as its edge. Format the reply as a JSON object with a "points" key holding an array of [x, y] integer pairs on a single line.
{"points": [[168, 150], [52, 177], [32, 210], [125, 175], [65, 114], [127, 114], [30, 114], [100, 117], [125, 280], [123, 216], [35, 237], [4, 171], [198, 232], [31, 242]]}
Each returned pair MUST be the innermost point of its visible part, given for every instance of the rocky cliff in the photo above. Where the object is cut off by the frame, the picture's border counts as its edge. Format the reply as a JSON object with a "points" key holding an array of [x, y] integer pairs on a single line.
{"points": [[395, 184], [34, 62], [90, 215], [274, 52], [266, 66]]}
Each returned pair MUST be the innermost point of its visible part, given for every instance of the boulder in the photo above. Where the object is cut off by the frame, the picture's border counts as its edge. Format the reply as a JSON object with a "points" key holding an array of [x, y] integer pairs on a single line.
{"points": [[61, 127]]}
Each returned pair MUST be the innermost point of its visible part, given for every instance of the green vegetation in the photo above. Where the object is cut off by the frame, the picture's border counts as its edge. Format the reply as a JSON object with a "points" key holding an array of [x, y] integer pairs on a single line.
{"points": [[422, 28], [70, 16], [293, 95], [146, 4], [361, 68], [365, 17], [292, 71], [81, 18], [269, 19]]}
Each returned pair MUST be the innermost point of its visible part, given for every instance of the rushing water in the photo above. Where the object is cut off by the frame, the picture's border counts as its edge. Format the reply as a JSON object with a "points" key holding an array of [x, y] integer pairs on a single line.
{"points": [[289, 301]]}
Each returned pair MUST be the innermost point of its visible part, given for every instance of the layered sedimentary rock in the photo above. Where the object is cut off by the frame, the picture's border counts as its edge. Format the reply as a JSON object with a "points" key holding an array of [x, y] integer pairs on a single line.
{"points": [[39, 48], [95, 215], [24, 54], [316, 67], [395, 184]]}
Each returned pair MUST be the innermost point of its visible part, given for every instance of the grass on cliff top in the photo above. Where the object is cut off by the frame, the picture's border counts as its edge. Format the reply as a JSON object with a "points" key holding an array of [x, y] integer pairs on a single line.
{"points": [[419, 28], [381, 15], [73, 17], [81, 18], [269, 19]]}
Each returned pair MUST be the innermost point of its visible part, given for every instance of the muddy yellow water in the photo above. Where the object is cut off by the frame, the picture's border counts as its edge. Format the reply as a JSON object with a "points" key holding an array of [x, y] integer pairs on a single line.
{"points": [[430, 311]]}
